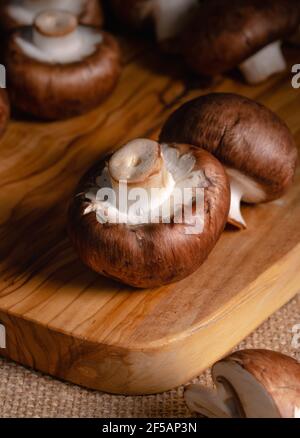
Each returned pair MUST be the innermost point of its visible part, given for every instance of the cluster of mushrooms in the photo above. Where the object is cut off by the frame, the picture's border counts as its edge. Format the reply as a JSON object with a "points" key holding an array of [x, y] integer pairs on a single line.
{"points": [[60, 63], [229, 146], [216, 36]]}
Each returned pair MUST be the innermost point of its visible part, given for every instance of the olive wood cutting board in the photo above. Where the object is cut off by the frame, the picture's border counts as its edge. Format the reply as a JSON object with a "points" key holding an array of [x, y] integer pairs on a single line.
{"points": [[62, 319]]}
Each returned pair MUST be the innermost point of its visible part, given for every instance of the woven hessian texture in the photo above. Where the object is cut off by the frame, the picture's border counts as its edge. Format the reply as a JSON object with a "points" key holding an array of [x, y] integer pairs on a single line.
{"points": [[24, 393]]}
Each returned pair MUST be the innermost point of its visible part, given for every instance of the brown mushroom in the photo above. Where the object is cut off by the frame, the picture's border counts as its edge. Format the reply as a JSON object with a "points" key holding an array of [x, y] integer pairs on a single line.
{"points": [[19, 13], [4, 110], [168, 18], [158, 240], [251, 384], [58, 69], [241, 33], [254, 144]]}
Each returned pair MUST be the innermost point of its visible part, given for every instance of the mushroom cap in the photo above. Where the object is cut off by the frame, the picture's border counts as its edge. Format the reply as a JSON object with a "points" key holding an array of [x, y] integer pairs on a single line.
{"points": [[243, 134], [4, 110], [223, 34], [150, 255], [91, 15], [277, 373], [75, 88]]}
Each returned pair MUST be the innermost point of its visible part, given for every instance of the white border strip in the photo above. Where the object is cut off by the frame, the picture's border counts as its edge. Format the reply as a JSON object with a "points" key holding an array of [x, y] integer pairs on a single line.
{"points": [[2, 336], [2, 76]]}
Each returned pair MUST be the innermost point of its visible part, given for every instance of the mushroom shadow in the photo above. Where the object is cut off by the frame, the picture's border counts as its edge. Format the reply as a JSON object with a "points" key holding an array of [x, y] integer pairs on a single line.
{"points": [[35, 244]]}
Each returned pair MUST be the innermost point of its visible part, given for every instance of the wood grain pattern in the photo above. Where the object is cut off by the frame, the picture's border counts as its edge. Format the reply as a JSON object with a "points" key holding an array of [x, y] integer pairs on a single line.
{"points": [[64, 320]]}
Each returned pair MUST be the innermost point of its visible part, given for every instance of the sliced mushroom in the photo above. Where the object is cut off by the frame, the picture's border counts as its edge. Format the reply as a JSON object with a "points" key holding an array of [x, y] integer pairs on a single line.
{"points": [[206, 402], [255, 145], [157, 240], [251, 384], [242, 33], [18, 13], [167, 17], [4, 110], [81, 63]]}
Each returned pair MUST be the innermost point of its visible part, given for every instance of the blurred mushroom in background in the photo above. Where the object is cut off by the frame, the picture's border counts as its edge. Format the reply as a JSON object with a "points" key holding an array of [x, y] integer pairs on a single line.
{"points": [[246, 34], [166, 18], [82, 64]]}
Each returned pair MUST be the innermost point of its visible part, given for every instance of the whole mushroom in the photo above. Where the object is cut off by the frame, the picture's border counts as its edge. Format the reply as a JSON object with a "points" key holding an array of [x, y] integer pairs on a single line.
{"points": [[168, 18], [181, 212], [19, 13], [4, 110], [254, 144], [251, 384], [241, 33], [58, 69]]}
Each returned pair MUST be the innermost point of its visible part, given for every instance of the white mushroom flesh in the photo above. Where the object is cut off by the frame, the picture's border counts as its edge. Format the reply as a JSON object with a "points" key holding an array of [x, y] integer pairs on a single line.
{"points": [[206, 402], [245, 189], [24, 11], [66, 48], [139, 161], [140, 164], [157, 169], [238, 394], [263, 64], [251, 395], [172, 16]]}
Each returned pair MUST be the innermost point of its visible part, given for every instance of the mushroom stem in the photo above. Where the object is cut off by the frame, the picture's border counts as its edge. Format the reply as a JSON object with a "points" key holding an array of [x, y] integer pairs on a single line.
{"points": [[235, 216], [263, 64], [206, 402], [140, 164], [56, 31], [171, 16], [245, 189]]}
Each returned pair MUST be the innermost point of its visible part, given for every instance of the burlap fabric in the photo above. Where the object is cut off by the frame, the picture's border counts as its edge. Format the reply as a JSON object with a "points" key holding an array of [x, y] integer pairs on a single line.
{"points": [[24, 393]]}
